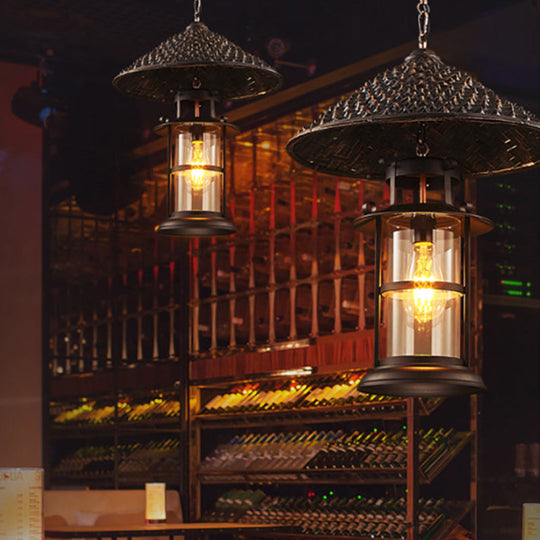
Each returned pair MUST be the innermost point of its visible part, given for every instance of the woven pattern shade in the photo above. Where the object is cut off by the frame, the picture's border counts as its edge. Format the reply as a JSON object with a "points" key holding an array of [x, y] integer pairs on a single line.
{"points": [[378, 124], [219, 65]]}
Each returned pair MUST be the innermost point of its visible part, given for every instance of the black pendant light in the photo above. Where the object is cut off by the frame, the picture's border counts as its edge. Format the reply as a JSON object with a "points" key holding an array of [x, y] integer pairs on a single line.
{"points": [[423, 127], [195, 70]]}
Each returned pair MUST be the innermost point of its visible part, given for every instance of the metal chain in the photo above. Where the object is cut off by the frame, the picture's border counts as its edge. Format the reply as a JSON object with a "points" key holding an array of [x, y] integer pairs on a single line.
{"points": [[423, 23], [197, 10], [422, 148]]}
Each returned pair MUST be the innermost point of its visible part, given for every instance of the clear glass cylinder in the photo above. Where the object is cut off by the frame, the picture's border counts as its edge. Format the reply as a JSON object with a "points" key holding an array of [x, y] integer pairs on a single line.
{"points": [[197, 168], [422, 286]]}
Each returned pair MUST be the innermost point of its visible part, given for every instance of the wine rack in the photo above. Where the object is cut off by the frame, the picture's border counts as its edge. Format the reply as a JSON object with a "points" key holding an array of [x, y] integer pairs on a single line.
{"points": [[96, 463], [256, 439], [129, 411], [104, 442], [314, 399], [309, 457], [331, 516]]}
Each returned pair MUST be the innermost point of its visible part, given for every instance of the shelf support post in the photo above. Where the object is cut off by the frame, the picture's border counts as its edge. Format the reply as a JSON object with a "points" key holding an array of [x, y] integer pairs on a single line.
{"points": [[412, 468]]}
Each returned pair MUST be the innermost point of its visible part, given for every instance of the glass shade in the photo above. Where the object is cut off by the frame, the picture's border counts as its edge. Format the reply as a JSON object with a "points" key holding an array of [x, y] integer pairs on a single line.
{"points": [[422, 286], [196, 168]]}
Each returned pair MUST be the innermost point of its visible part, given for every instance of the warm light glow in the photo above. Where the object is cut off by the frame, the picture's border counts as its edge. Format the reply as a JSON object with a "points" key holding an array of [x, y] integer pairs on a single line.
{"points": [[423, 302], [200, 178]]}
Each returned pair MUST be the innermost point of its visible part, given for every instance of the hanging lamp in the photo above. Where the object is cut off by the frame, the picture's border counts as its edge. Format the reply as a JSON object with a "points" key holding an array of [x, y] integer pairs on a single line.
{"points": [[195, 70], [423, 127]]}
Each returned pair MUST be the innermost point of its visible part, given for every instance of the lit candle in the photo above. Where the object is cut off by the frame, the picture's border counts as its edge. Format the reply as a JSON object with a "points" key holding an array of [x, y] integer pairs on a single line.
{"points": [[155, 503]]}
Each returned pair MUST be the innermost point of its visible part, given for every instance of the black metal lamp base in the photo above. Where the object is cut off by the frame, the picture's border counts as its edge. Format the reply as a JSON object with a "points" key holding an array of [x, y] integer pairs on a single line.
{"points": [[421, 379], [196, 224]]}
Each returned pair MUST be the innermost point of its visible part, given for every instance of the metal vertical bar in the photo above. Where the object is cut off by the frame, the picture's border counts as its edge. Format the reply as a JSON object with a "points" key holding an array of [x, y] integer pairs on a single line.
{"points": [[376, 292], [81, 328], [54, 331], [194, 250], [171, 309], [169, 170], [314, 261], [232, 256], [155, 349], [95, 360], [224, 165], [183, 293], [361, 267], [139, 312], [251, 284], [124, 317], [337, 260], [67, 337], [293, 334], [109, 323], [272, 272], [473, 489], [412, 468], [213, 292], [46, 303], [475, 356], [392, 184], [468, 292]]}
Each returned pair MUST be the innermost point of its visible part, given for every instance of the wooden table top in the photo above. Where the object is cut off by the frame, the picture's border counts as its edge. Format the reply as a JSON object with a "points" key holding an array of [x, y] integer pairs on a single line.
{"points": [[101, 531]]}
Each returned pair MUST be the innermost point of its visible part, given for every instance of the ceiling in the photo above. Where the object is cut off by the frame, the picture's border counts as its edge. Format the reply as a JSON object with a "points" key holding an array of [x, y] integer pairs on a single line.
{"points": [[94, 39]]}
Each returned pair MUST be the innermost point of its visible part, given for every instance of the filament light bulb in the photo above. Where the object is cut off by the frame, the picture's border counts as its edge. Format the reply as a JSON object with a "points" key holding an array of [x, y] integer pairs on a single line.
{"points": [[423, 301], [200, 178]]}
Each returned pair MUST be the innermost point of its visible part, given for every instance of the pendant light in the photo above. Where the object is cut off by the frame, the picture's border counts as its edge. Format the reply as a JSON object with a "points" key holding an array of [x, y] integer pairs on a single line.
{"points": [[423, 127], [195, 70]]}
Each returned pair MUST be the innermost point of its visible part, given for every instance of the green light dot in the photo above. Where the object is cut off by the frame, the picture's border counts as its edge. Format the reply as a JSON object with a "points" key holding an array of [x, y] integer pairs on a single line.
{"points": [[528, 293], [325, 497], [406, 491], [375, 429], [359, 497], [330, 493], [404, 427], [529, 283]]}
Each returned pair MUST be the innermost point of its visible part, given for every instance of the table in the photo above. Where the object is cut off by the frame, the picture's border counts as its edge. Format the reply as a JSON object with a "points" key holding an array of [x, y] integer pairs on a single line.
{"points": [[159, 529]]}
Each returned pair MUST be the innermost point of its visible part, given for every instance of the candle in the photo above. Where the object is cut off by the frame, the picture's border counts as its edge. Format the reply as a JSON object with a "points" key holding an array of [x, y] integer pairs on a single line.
{"points": [[155, 502]]}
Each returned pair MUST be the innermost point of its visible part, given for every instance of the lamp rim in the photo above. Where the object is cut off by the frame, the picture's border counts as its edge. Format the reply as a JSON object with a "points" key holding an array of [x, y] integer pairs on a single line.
{"points": [[413, 381], [126, 78], [410, 285], [163, 129], [479, 224], [196, 224]]}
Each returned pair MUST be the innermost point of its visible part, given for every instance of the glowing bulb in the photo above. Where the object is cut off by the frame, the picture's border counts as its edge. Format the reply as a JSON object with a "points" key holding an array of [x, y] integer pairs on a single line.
{"points": [[200, 178], [424, 302]]}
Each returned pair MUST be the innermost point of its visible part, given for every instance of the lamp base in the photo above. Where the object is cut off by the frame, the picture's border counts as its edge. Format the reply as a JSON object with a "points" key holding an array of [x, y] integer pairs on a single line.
{"points": [[421, 379], [196, 224]]}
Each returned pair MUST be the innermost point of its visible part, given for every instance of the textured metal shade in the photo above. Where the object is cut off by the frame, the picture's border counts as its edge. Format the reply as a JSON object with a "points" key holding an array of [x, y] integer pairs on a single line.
{"points": [[197, 54], [378, 124]]}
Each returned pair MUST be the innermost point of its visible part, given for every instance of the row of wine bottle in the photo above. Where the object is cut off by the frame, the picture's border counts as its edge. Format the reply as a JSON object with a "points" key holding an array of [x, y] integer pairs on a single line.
{"points": [[331, 515], [311, 450], [89, 461], [270, 396], [92, 412]]}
